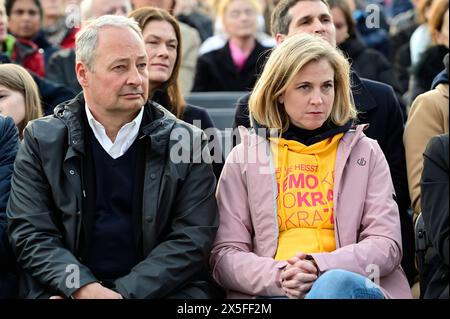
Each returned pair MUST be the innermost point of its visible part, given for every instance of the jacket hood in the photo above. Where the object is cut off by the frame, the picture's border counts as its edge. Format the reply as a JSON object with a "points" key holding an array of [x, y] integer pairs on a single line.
{"points": [[310, 137], [314, 149], [442, 77]]}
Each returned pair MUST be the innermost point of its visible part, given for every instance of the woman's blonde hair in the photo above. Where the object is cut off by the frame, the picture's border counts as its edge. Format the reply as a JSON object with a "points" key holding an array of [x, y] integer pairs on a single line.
{"points": [[16, 78], [223, 5], [283, 65]]}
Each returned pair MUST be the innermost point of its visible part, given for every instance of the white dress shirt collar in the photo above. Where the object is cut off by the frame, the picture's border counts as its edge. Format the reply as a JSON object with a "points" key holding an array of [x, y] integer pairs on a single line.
{"points": [[124, 139]]}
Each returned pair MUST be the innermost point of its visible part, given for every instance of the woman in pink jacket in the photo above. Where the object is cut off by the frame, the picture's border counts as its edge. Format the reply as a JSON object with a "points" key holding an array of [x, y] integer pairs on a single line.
{"points": [[307, 208]]}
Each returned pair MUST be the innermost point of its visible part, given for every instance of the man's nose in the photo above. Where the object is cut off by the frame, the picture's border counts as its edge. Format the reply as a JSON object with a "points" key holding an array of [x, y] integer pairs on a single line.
{"points": [[135, 77], [318, 27]]}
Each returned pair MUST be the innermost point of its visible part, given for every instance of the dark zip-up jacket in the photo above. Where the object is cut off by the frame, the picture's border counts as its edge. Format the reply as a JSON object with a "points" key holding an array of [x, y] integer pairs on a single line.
{"points": [[179, 211]]}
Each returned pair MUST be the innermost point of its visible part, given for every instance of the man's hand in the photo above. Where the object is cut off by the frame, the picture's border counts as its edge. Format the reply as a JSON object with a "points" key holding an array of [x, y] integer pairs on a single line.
{"points": [[298, 277], [95, 290]]}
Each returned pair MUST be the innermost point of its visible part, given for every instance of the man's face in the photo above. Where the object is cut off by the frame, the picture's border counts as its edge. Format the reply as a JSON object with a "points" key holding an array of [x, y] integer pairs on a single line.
{"points": [[163, 4], [115, 7], [312, 17], [25, 19], [118, 83]]}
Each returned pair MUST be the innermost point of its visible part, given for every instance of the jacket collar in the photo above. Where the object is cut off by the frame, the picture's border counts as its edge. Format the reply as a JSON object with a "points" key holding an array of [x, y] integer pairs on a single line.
{"points": [[158, 130], [442, 77], [252, 138]]}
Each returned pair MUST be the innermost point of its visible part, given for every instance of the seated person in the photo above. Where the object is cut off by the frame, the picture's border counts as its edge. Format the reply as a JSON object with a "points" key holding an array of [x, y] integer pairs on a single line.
{"points": [[98, 208], [306, 200]]}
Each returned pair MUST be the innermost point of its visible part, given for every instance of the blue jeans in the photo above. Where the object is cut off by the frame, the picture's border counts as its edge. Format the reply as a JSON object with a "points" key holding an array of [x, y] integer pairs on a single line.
{"points": [[343, 284]]}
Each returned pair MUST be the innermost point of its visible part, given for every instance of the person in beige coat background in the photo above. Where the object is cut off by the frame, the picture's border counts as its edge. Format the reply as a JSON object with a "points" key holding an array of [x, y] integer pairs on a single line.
{"points": [[428, 117]]}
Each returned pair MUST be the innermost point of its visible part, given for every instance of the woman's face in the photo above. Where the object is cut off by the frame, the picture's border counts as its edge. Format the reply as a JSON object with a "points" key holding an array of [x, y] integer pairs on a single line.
{"points": [[161, 45], [309, 98], [12, 104], [240, 19], [340, 24], [25, 19]]}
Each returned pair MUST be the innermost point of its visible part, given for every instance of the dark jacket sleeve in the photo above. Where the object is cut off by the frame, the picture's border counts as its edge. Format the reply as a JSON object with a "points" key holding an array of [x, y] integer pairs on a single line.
{"points": [[387, 128], [434, 194], [394, 151], [184, 250], [241, 117], [33, 225], [9, 141], [215, 149]]}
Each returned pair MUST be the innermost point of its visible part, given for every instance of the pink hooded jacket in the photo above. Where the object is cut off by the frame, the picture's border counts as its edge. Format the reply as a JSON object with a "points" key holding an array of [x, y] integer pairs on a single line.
{"points": [[367, 225]]}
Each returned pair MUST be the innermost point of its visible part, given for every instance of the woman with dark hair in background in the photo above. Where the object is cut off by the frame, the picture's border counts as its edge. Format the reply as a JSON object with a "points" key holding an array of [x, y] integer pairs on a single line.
{"points": [[163, 44]]}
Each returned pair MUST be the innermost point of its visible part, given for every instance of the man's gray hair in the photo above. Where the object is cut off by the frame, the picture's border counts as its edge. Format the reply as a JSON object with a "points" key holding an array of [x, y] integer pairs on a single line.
{"points": [[87, 38]]}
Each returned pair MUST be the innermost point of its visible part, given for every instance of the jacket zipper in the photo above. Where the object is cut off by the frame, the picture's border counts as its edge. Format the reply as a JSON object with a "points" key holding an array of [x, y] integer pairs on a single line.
{"points": [[79, 214]]}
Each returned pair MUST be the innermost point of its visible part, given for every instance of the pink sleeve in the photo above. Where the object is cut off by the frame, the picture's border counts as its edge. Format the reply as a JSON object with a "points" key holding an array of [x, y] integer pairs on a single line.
{"points": [[233, 263], [378, 247]]}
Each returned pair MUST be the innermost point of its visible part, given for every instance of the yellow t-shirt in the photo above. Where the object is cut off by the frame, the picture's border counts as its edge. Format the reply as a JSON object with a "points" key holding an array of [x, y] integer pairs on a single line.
{"points": [[305, 180]]}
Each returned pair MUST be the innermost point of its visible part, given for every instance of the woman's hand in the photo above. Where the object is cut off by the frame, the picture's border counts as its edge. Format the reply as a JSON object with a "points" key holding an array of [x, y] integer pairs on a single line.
{"points": [[298, 276]]}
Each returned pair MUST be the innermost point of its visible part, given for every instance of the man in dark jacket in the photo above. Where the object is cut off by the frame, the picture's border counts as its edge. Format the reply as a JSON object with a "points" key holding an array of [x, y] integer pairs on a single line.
{"points": [[9, 141], [100, 205], [375, 101], [434, 189]]}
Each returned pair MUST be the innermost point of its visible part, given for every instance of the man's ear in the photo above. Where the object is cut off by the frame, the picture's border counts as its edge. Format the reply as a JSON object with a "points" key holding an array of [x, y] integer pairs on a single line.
{"points": [[82, 74], [280, 38]]}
